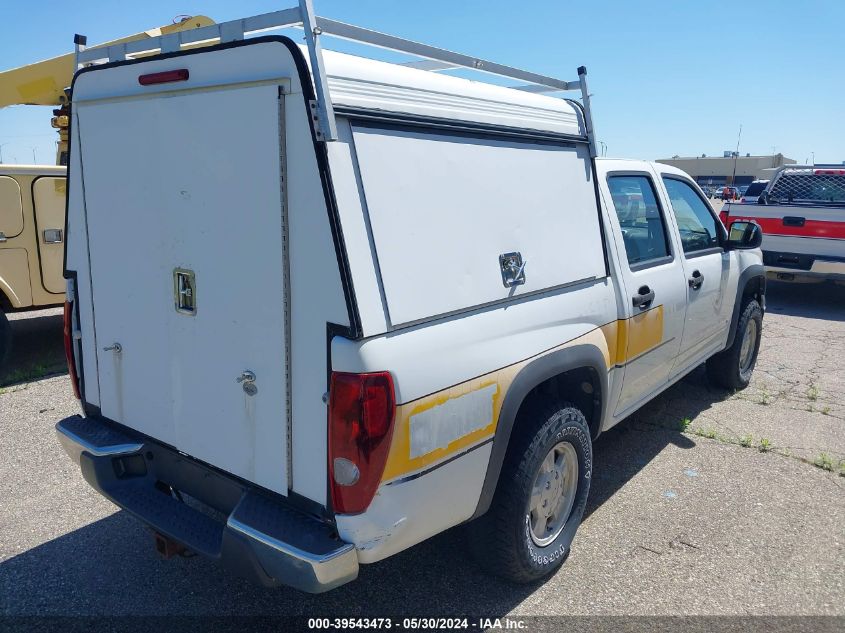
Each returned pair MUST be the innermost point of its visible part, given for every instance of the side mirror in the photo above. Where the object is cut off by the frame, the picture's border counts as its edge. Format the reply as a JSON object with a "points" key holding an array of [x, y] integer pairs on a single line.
{"points": [[744, 235]]}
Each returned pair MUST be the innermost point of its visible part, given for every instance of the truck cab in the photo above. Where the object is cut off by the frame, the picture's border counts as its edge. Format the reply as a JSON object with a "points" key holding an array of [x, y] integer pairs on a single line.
{"points": [[32, 224]]}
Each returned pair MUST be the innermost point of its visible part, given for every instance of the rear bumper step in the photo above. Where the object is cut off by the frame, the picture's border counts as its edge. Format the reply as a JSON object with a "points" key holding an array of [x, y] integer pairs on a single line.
{"points": [[250, 532]]}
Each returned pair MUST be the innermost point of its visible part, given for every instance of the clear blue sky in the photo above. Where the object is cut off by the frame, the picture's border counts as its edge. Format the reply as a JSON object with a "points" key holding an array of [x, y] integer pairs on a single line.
{"points": [[668, 77]]}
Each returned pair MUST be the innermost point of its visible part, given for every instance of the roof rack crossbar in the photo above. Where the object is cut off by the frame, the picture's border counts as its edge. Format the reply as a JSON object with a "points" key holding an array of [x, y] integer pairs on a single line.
{"points": [[391, 42], [303, 16]]}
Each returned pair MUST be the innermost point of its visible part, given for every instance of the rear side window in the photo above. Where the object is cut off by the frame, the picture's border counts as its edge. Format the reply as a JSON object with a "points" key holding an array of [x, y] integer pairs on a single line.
{"points": [[755, 189], [640, 218], [696, 224]]}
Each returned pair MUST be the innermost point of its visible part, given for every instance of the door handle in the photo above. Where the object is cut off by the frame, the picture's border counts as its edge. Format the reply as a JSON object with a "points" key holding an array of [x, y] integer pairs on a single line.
{"points": [[696, 280], [52, 236], [644, 297]]}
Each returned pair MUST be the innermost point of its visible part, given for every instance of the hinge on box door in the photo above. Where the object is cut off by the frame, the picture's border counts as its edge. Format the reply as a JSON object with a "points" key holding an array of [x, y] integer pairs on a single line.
{"points": [[315, 120], [286, 284]]}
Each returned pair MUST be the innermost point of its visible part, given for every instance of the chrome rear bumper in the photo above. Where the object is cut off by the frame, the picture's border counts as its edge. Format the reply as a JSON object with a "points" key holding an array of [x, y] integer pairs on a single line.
{"points": [[255, 533]]}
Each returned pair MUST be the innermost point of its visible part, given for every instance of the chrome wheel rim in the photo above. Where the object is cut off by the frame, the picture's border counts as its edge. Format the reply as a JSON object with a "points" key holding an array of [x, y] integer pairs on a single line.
{"points": [[553, 494], [746, 352]]}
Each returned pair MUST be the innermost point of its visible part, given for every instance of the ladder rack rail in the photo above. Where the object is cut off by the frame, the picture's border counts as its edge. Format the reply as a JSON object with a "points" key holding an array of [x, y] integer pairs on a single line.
{"points": [[303, 16]]}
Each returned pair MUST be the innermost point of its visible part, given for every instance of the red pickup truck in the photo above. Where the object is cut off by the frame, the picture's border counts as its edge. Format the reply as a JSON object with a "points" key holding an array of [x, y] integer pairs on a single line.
{"points": [[802, 214]]}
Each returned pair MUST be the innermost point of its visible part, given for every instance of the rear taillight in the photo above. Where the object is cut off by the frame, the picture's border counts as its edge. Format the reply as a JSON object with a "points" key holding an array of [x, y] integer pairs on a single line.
{"points": [[361, 412], [69, 345], [723, 216]]}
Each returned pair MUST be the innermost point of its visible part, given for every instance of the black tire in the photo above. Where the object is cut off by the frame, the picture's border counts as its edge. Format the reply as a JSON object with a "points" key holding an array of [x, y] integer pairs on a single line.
{"points": [[501, 539], [5, 339], [725, 369]]}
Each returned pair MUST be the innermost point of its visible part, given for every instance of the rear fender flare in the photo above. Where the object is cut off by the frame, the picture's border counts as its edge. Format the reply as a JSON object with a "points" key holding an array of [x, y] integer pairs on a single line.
{"points": [[530, 376]]}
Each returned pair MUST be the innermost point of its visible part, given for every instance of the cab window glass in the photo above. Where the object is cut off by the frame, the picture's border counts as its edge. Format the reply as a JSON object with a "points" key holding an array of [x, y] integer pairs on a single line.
{"points": [[640, 218], [696, 224]]}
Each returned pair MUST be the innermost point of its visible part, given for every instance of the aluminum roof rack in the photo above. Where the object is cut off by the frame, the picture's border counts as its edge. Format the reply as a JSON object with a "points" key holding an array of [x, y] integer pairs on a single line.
{"points": [[303, 16]]}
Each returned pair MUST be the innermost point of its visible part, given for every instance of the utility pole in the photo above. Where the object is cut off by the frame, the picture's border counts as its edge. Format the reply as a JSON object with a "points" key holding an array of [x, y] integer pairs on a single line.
{"points": [[736, 155], [1, 152], [34, 158]]}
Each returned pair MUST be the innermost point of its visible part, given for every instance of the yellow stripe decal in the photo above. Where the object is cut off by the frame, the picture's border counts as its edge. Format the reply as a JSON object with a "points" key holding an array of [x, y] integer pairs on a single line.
{"points": [[645, 331], [400, 461], [619, 341], [629, 338]]}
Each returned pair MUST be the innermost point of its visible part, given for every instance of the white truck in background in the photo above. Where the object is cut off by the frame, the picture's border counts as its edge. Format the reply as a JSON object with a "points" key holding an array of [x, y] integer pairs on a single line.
{"points": [[802, 214], [377, 302]]}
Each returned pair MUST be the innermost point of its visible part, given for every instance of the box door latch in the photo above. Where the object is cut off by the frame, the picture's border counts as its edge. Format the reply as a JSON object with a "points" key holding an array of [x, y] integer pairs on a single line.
{"points": [[185, 291], [513, 269]]}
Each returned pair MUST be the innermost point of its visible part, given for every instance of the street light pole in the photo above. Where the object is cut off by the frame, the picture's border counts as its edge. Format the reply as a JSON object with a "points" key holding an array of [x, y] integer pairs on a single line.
{"points": [[736, 155]]}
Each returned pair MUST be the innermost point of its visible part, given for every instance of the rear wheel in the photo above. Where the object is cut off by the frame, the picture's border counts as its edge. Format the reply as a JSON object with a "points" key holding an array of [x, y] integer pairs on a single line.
{"points": [[541, 495], [733, 367], [5, 338]]}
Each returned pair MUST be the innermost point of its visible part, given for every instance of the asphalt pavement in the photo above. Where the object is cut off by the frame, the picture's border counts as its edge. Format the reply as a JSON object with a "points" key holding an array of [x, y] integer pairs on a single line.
{"points": [[704, 502]]}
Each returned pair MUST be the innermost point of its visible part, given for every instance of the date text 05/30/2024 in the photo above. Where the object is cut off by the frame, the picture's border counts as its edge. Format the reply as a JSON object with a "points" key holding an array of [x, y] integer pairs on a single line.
{"points": [[416, 623]]}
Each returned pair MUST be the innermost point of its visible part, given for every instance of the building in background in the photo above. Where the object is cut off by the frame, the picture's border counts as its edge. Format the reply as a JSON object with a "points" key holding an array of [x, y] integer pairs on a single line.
{"points": [[719, 170]]}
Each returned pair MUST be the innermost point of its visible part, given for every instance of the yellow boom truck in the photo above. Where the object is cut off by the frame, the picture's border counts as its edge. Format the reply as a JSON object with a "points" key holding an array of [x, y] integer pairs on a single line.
{"points": [[32, 197]]}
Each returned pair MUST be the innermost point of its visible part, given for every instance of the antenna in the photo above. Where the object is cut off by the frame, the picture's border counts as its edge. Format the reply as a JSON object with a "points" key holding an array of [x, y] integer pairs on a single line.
{"points": [[736, 154]]}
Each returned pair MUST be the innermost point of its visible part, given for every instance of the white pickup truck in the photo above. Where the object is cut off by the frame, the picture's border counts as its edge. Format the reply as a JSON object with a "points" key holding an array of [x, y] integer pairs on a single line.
{"points": [[802, 214], [327, 307]]}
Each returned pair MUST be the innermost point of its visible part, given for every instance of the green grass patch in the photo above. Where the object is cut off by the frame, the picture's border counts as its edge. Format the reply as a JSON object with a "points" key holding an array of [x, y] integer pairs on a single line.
{"points": [[28, 374], [824, 461]]}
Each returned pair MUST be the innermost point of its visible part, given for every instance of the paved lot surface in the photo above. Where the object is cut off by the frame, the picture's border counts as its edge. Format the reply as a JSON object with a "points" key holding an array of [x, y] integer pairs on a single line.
{"points": [[37, 347], [679, 521]]}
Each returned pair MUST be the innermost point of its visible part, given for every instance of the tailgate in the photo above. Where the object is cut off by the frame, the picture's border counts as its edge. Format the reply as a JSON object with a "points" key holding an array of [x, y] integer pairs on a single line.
{"points": [[797, 230], [183, 187]]}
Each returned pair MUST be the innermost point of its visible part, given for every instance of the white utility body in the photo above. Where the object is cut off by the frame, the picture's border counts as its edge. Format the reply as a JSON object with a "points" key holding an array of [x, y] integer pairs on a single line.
{"points": [[327, 307]]}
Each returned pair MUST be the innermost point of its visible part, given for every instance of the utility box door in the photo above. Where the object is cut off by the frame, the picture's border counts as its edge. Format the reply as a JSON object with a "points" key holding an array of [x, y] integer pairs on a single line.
{"points": [[444, 208], [186, 232]]}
